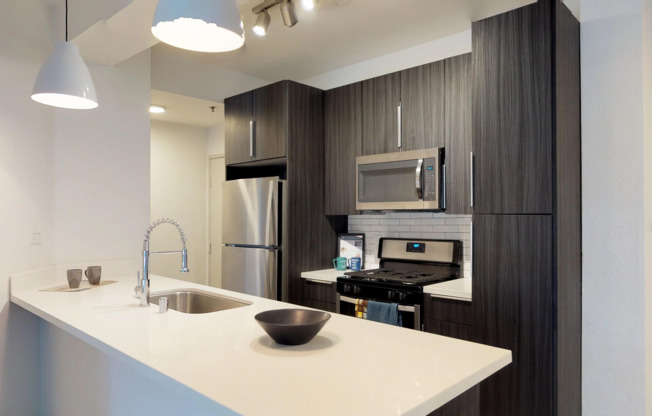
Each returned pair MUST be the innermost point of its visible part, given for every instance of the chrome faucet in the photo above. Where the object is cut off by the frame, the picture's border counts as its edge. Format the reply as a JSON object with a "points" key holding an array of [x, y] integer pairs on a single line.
{"points": [[143, 283]]}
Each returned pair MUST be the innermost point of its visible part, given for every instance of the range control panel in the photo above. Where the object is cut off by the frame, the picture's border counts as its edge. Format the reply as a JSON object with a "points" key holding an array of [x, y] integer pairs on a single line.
{"points": [[415, 247]]}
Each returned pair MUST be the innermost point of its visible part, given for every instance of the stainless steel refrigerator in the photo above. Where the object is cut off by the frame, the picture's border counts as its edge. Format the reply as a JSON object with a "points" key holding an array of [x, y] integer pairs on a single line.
{"points": [[253, 234]]}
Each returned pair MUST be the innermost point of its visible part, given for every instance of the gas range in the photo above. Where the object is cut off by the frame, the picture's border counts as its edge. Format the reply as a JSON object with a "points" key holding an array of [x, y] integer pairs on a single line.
{"points": [[406, 266]]}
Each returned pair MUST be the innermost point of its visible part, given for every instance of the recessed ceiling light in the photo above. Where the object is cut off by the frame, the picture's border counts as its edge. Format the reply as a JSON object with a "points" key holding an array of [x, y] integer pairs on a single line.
{"points": [[156, 109], [308, 5]]}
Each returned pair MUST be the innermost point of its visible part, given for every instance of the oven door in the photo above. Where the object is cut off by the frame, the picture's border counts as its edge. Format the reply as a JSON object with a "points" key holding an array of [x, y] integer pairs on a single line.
{"points": [[410, 313]]}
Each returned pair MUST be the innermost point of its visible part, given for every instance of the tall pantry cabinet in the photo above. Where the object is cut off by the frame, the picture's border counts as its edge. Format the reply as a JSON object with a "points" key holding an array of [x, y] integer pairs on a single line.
{"points": [[527, 207]]}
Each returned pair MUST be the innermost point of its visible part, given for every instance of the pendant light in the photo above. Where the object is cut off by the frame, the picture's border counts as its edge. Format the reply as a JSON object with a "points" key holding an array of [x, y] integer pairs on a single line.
{"points": [[64, 80], [199, 25]]}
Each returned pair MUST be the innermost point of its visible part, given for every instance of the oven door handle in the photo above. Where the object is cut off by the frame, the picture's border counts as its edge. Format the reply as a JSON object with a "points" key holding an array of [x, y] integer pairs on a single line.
{"points": [[415, 309]]}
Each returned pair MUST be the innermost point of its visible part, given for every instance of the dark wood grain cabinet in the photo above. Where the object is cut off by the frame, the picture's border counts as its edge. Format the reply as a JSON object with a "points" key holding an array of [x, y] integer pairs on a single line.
{"points": [[526, 246], [343, 108], [514, 309], [319, 294], [256, 124], [404, 110], [448, 317], [422, 106], [381, 97], [458, 121], [452, 318], [512, 113]]}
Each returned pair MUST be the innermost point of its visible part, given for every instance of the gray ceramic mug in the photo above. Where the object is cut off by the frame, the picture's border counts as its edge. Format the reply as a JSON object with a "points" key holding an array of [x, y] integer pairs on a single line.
{"points": [[93, 273], [74, 277]]}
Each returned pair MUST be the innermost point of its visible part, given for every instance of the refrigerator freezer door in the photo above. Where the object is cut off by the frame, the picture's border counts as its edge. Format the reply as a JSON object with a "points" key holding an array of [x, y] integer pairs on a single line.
{"points": [[250, 270], [250, 212]]}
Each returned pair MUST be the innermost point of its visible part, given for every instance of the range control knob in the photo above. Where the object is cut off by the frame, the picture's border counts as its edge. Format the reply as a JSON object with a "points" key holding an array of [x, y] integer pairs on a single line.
{"points": [[356, 290], [346, 288], [390, 294], [401, 296]]}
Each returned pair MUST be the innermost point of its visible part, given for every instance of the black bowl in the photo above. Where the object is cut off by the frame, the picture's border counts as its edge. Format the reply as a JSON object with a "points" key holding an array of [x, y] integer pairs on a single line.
{"points": [[292, 326]]}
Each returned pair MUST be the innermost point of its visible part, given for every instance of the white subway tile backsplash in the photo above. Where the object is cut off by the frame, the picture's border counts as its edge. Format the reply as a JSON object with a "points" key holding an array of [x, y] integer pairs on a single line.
{"points": [[410, 221], [421, 215], [413, 225]]}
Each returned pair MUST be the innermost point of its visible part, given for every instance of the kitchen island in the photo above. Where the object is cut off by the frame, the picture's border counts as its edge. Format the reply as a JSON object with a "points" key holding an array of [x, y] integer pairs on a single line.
{"points": [[226, 364]]}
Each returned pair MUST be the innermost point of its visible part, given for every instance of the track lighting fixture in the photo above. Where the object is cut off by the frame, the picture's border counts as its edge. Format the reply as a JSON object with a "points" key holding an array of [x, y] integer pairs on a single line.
{"points": [[288, 13], [262, 23]]}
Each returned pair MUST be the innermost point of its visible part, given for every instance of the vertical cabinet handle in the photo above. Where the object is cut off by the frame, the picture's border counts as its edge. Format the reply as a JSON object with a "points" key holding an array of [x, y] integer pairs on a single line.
{"points": [[471, 179], [251, 138], [471, 249], [400, 139]]}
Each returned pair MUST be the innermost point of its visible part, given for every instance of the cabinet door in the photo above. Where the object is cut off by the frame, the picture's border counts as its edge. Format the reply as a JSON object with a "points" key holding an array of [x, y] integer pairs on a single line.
{"points": [[237, 116], [513, 309], [343, 144], [270, 121], [458, 134], [422, 106], [380, 100], [512, 113]]}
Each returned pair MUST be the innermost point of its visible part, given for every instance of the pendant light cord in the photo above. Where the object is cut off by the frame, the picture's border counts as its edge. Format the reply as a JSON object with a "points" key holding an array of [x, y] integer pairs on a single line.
{"points": [[66, 20]]}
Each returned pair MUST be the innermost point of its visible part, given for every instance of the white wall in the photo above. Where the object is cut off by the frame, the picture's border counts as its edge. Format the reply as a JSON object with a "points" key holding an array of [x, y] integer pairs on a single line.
{"points": [[436, 50], [215, 144], [613, 175], [26, 196], [179, 187], [101, 168]]}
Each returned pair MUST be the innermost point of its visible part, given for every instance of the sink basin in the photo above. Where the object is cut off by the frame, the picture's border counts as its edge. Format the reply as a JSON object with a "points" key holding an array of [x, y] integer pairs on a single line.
{"points": [[196, 301]]}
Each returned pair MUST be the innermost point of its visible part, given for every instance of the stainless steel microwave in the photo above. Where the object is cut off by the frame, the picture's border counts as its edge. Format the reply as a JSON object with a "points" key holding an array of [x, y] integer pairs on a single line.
{"points": [[411, 180]]}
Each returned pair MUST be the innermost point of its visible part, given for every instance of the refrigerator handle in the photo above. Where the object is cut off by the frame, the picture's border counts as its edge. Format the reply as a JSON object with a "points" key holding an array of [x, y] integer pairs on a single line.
{"points": [[271, 218], [272, 275]]}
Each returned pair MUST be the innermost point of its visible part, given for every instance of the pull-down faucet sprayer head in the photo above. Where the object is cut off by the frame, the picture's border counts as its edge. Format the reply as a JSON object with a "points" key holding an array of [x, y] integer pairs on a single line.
{"points": [[184, 260]]}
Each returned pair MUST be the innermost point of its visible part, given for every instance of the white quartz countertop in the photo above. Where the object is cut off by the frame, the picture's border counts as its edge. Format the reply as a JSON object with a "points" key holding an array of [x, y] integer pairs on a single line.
{"points": [[459, 289], [226, 360], [456, 289]]}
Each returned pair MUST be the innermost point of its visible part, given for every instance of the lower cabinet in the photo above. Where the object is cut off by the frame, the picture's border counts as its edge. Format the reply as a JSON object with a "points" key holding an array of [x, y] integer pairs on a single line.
{"points": [[452, 318], [319, 294]]}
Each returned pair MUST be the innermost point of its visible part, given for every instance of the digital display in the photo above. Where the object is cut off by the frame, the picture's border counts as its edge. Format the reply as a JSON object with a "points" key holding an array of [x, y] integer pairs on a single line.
{"points": [[416, 247], [430, 168]]}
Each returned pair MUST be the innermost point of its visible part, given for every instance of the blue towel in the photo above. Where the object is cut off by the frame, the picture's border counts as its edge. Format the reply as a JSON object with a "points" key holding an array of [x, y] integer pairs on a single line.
{"points": [[384, 312]]}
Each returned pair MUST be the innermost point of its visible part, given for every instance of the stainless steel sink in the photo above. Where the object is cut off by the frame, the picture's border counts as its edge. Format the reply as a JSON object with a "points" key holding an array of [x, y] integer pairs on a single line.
{"points": [[196, 301]]}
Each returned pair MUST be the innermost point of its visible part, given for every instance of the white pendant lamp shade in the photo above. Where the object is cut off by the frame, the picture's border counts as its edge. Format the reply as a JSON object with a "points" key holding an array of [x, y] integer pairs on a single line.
{"points": [[199, 25], [64, 80]]}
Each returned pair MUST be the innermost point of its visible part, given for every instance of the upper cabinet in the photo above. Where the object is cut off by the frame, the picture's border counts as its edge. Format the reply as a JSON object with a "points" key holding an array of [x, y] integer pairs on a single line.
{"points": [[422, 106], [343, 144], [381, 99], [512, 116], [458, 83], [404, 110], [255, 124]]}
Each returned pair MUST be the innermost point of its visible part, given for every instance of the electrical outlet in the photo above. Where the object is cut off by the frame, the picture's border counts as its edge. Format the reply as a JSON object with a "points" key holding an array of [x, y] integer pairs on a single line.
{"points": [[35, 234]]}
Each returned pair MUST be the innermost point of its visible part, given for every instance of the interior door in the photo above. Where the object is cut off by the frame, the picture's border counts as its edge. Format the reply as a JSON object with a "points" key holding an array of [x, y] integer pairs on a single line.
{"points": [[217, 177]]}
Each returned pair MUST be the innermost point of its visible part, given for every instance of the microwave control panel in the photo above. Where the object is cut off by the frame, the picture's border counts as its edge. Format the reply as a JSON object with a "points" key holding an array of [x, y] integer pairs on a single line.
{"points": [[431, 176]]}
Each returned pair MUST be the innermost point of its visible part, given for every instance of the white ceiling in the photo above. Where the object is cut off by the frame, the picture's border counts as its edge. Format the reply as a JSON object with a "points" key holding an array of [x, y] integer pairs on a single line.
{"points": [[336, 34], [182, 109]]}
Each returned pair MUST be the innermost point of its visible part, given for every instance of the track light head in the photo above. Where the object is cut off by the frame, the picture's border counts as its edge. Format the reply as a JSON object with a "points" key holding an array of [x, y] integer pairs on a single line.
{"points": [[262, 23], [288, 13]]}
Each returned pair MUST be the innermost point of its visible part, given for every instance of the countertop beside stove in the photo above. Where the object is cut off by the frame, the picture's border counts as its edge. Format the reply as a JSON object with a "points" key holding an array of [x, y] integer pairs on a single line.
{"points": [[455, 289]]}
